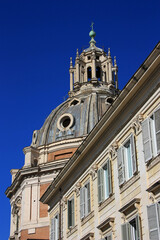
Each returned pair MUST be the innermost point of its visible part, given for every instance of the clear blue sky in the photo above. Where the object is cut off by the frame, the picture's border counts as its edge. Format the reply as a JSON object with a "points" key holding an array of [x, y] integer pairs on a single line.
{"points": [[37, 38]]}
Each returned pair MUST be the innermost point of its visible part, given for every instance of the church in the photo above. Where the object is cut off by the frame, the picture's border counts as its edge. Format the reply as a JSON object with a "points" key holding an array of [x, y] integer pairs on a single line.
{"points": [[92, 171]]}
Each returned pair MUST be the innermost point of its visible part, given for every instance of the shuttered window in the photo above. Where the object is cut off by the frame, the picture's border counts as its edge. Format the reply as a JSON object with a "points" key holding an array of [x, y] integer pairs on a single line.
{"points": [[126, 157], [131, 230], [154, 221], [151, 135], [54, 234], [104, 182], [108, 237], [85, 205], [70, 212]]}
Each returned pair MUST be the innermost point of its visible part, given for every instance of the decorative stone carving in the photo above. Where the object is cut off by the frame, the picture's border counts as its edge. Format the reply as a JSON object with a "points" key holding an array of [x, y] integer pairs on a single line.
{"points": [[113, 150], [77, 189], [152, 197], [64, 203], [136, 124], [93, 171], [16, 212]]}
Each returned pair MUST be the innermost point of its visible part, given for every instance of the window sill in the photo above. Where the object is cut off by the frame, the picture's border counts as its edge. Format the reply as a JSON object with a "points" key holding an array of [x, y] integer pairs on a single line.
{"points": [[71, 231], [87, 218], [106, 202], [127, 184], [153, 162]]}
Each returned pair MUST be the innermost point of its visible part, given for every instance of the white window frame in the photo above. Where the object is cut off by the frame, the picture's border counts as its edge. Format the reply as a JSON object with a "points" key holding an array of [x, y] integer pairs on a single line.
{"points": [[54, 231], [123, 160], [70, 207], [104, 181], [150, 135], [85, 200]]}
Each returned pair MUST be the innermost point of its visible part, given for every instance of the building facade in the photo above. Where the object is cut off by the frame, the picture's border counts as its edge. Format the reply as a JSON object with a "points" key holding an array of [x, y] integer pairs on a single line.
{"points": [[93, 88], [110, 187]]}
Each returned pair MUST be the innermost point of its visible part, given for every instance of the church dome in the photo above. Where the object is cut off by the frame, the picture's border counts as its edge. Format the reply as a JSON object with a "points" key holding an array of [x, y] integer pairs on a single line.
{"points": [[93, 87], [73, 118]]}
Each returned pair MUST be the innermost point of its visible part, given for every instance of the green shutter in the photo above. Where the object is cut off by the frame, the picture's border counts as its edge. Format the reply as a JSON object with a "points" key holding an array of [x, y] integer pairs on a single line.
{"points": [[82, 202], [69, 214], [72, 212], [153, 221], [88, 198], [125, 231], [121, 167], [100, 185], [138, 232], [58, 216], [157, 128], [109, 176], [133, 153], [146, 140]]}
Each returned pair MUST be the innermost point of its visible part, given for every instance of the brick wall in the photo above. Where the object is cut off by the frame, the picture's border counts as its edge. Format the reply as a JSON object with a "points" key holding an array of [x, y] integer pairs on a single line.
{"points": [[61, 154], [43, 211], [40, 233]]}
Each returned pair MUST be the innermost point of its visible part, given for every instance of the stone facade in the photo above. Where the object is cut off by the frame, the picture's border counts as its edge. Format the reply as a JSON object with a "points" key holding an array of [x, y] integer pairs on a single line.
{"points": [[110, 188]]}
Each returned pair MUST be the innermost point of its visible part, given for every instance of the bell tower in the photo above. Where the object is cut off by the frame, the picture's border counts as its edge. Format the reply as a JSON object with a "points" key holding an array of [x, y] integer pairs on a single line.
{"points": [[93, 67]]}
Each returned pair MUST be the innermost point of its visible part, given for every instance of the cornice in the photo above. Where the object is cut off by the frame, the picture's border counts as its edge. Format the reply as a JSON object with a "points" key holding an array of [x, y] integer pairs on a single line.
{"points": [[32, 172], [29, 149]]}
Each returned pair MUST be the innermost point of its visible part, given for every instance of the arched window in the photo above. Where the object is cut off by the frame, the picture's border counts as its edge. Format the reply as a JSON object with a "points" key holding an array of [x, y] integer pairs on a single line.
{"points": [[98, 73], [89, 73]]}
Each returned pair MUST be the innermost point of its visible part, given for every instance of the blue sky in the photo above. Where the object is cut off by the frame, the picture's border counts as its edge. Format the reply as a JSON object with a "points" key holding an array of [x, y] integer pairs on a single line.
{"points": [[37, 38]]}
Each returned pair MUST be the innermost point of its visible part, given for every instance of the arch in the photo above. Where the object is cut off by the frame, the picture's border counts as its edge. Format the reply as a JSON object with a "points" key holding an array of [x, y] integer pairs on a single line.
{"points": [[89, 73], [98, 73]]}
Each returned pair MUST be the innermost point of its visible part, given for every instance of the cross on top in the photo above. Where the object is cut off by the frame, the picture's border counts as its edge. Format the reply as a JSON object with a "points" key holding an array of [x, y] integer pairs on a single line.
{"points": [[92, 25]]}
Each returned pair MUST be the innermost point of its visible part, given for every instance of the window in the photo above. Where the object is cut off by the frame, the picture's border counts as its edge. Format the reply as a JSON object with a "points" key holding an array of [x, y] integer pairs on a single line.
{"points": [[85, 206], [71, 213], [104, 182], [151, 135], [131, 230], [98, 73], [89, 73], [126, 157], [108, 237], [154, 221], [55, 228]]}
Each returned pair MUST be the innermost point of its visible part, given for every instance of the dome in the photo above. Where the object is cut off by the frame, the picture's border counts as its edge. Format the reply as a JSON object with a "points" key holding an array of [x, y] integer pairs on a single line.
{"points": [[93, 87], [74, 118]]}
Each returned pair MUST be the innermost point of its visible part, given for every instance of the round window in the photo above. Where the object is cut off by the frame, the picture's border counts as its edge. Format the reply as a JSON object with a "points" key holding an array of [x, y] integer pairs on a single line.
{"points": [[65, 122]]}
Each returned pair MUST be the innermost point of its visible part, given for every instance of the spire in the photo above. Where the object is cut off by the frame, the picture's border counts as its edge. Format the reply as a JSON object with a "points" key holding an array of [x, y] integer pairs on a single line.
{"points": [[77, 54], [92, 34], [109, 52], [71, 64], [115, 62]]}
